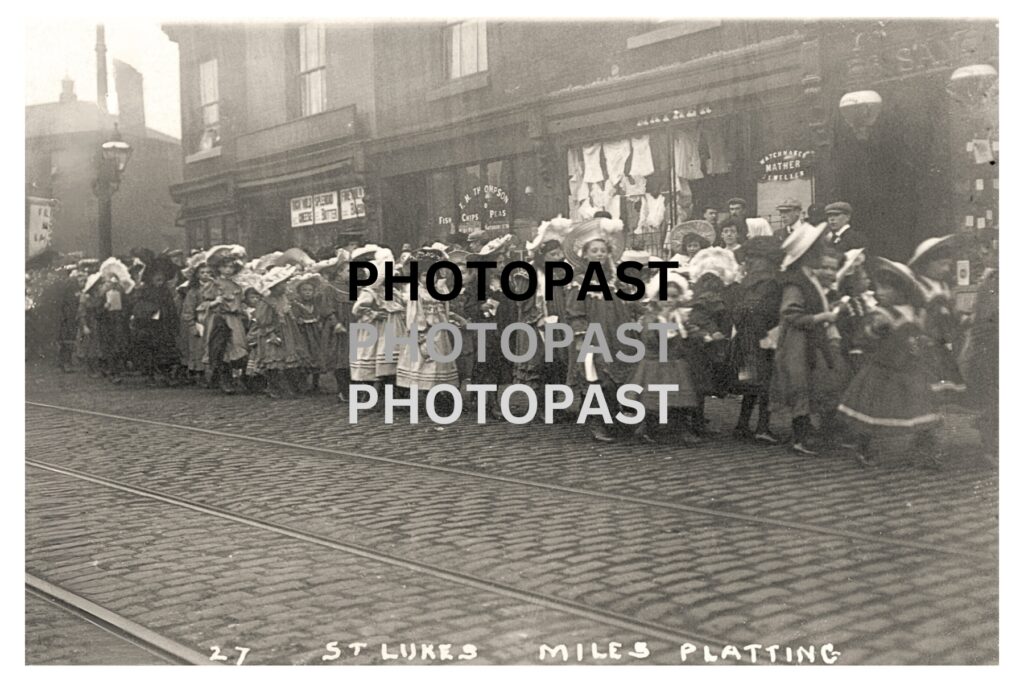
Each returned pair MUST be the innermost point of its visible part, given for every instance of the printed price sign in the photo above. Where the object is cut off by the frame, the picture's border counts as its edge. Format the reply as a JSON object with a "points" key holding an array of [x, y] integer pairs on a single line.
{"points": [[352, 203], [325, 208], [302, 211]]}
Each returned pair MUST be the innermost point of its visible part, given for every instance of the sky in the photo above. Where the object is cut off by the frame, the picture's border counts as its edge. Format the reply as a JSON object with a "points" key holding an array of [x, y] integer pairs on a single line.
{"points": [[56, 47]]}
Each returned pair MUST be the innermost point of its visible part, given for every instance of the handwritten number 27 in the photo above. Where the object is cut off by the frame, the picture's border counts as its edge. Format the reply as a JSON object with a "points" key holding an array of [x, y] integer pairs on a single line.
{"points": [[218, 657]]}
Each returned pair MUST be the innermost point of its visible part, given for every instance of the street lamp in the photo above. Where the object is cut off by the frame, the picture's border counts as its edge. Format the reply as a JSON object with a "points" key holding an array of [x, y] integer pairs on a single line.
{"points": [[113, 159]]}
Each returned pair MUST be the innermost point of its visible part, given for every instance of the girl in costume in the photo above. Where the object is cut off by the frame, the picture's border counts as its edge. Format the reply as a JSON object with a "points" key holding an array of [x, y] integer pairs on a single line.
{"points": [[377, 364], [932, 264], [807, 377], [112, 319], [676, 369], [88, 346], [225, 344], [890, 393], [713, 272], [307, 307], [337, 315], [154, 320], [599, 240], [421, 372], [283, 356], [193, 315], [755, 314]]}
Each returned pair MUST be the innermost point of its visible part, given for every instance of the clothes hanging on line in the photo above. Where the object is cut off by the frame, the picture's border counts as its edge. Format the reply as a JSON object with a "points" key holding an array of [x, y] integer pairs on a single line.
{"points": [[574, 163], [592, 163], [652, 214], [687, 155], [642, 163], [615, 156], [634, 186], [717, 160]]}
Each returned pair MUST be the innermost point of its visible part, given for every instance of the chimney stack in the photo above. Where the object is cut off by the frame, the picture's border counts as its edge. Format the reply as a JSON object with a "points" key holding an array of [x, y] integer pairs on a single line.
{"points": [[67, 89], [101, 68]]}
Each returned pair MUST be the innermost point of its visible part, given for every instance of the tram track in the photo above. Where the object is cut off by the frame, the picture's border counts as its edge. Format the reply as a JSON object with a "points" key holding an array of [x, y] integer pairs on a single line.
{"points": [[616, 620], [767, 521], [109, 621]]}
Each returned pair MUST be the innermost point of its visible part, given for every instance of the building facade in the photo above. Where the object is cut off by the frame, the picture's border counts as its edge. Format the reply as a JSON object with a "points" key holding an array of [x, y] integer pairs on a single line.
{"points": [[62, 143], [448, 127], [274, 121]]}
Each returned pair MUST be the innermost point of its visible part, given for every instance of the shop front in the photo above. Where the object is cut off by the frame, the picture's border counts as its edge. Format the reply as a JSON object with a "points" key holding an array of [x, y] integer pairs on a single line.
{"points": [[656, 150], [486, 181], [927, 165], [317, 209]]}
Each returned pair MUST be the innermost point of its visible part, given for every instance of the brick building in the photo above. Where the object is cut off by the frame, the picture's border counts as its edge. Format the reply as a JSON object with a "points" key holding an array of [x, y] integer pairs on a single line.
{"points": [[62, 142], [454, 126]]}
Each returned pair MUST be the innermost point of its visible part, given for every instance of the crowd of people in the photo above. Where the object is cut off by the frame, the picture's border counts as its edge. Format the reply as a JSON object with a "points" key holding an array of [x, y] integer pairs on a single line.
{"points": [[802, 320]]}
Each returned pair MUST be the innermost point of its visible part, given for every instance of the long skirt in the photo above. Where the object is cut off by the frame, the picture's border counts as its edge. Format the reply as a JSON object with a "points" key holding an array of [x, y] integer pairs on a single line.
{"points": [[883, 401], [310, 336]]}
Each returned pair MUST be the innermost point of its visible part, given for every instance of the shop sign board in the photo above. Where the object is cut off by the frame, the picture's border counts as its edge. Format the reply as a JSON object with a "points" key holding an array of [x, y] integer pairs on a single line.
{"points": [[302, 211], [352, 205], [38, 233], [784, 164], [674, 115], [484, 206], [325, 208]]}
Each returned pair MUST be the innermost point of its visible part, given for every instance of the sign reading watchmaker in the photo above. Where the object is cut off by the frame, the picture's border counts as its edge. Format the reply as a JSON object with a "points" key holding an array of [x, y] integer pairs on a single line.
{"points": [[784, 164]]}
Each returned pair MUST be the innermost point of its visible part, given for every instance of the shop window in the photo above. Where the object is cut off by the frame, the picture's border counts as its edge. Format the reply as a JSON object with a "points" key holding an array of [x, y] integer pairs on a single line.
{"points": [[312, 69], [523, 194], [230, 229], [209, 102], [215, 230], [465, 46], [468, 189], [440, 204]]}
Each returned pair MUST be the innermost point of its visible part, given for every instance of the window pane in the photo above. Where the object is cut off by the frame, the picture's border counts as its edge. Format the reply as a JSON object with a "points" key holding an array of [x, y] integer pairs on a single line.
{"points": [[318, 91], [470, 197], [208, 82], [321, 46], [455, 45], [481, 46], [211, 114], [303, 49], [468, 48], [441, 203], [496, 197]]}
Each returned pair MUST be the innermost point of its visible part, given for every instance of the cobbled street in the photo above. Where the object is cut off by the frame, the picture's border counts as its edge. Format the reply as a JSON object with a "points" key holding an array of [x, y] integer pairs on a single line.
{"points": [[276, 527]]}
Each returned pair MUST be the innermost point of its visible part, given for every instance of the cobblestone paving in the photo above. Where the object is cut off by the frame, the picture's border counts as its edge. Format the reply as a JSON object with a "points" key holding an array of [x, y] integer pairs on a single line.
{"points": [[210, 583], [54, 636], [738, 581]]}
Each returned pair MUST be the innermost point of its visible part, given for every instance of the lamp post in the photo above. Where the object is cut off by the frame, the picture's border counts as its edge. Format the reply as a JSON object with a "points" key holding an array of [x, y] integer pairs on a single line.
{"points": [[111, 162]]}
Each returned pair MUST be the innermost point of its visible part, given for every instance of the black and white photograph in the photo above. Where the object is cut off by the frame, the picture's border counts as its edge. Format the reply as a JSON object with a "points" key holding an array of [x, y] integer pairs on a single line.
{"points": [[464, 340]]}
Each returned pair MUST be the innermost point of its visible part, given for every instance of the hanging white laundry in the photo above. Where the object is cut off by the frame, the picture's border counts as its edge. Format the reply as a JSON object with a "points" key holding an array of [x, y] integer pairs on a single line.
{"points": [[718, 163], [574, 164], [615, 156], [604, 198], [652, 214], [642, 164], [687, 155], [592, 163], [634, 186]]}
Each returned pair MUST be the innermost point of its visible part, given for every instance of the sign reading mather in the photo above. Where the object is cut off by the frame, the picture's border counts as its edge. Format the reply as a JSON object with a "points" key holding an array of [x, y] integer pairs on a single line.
{"points": [[784, 164]]}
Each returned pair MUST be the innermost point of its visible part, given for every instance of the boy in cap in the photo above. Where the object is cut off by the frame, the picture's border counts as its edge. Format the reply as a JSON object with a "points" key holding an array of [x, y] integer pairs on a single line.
{"points": [[843, 237]]}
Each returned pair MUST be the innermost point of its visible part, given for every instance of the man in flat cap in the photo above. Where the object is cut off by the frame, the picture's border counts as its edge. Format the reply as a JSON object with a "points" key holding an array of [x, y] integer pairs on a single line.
{"points": [[842, 235], [789, 210]]}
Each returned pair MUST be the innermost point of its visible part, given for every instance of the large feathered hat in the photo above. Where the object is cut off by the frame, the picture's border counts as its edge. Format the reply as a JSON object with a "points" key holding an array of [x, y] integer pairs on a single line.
{"points": [[249, 280], [607, 229], [677, 237], [266, 262], [931, 249], [276, 276], [800, 241], [295, 257], [553, 230], [225, 252], [113, 267], [675, 277], [760, 247], [897, 275], [852, 259], [715, 260]]}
